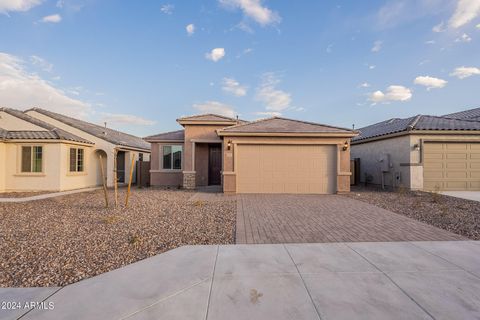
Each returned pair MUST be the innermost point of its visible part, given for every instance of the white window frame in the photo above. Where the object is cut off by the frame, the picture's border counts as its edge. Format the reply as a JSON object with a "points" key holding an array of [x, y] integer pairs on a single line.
{"points": [[171, 153], [76, 160]]}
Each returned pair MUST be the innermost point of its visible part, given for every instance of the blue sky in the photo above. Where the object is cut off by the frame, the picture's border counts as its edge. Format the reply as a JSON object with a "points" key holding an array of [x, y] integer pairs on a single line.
{"points": [[137, 66]]}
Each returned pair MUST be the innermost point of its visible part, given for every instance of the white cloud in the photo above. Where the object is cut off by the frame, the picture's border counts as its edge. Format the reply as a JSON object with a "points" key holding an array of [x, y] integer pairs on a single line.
{"points": [[439, 27], [430, 42], [371, 67], [463, 38], [22, 89], [41, 63], [393, 93], [430, 82], [255, 10], [190, 29], [60, 4], [232, 86], [167, 8], [216, 54], [54, 18], [465, 72], [364, 85], [125, 119], [466, 11], [18, 5], [478, 26], [377, 46], [273, 98], [268, 114], [215, 107]]}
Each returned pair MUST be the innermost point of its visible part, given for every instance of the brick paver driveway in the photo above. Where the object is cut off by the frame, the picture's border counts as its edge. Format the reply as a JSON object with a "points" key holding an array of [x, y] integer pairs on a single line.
{"points": [[268, 218]]}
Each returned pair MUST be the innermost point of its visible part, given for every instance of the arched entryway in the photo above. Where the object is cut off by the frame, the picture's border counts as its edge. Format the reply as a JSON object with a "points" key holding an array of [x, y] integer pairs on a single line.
{"points": [[101, 165]]}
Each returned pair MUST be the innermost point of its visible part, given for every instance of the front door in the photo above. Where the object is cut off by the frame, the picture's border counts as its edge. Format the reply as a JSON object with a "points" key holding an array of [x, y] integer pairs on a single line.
{"points": [[214, 165], [121, 166]]}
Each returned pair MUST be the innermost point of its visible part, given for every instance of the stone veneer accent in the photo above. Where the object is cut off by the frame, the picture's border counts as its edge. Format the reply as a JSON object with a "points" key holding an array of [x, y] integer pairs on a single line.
{"points": [[189, 180]]}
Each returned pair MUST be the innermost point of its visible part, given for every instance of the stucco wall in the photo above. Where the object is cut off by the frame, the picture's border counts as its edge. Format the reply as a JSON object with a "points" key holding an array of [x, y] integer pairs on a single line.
{"points": [[159, 176], [198, 132], [9, 122], [370, 154], [55, 175], [403, 152], [2, 166], [101, 144], [343, 157], [47, 180]]}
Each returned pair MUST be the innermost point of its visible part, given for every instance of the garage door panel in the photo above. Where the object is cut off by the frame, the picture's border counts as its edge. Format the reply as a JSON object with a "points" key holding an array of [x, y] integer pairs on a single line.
{"points": [[456, 167], [286, 169]]}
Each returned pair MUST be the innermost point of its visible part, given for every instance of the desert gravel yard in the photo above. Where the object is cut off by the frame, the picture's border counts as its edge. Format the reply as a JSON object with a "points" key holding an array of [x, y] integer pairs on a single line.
{"points": [[62, 240], [456, 215]]}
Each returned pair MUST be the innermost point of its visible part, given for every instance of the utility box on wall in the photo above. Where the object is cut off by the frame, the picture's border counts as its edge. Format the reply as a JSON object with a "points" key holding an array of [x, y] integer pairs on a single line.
{"points": [[385, 162]]}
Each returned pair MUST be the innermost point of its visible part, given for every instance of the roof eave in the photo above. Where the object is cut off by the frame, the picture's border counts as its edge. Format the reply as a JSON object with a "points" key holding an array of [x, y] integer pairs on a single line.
{"points": [[287, 134], [164, 140], [207, 122]]}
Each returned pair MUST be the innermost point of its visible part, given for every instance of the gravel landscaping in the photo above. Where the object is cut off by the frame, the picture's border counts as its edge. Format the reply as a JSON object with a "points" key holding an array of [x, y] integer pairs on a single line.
{"points": [[58, 241], [449, 213]]}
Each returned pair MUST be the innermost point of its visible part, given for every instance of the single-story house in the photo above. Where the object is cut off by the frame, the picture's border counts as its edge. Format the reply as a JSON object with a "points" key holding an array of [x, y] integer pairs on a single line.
{"points": [[46, 151], [274, 155], [423, 152]]}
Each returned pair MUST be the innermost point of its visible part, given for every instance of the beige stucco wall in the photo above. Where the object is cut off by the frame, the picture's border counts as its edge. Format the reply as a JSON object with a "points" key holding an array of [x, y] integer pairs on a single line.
{"points": [[159, 176], [343, 157], [198, 133], [107, 147], [9, 122], [2, 166], [402, 152]]}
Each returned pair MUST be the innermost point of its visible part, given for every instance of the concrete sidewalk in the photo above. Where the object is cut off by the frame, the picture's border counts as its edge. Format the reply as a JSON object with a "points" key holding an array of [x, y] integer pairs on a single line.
{"points": [[394, 280], [48, 195], [468, 195]]}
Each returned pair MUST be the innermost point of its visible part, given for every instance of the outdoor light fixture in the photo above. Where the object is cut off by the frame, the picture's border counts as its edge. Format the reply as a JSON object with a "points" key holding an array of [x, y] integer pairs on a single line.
{"points": [[416, 147], [229, 144], [345, 146]]}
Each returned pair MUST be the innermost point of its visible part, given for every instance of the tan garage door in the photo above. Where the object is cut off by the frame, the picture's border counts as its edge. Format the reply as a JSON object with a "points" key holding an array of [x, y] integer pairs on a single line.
{"points": [[451, 166], [286, 169]]}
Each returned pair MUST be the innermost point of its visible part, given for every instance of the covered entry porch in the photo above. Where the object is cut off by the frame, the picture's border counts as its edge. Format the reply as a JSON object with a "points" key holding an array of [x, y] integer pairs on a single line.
{"points": [[206, 165]]}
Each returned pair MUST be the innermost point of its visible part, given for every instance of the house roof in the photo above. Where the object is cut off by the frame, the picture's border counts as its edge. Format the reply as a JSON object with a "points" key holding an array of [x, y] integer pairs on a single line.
{"points": [[283, 125], [107, 134], [472, 114], [178, 135], [50, 131], [207, 117], [419, 122]]}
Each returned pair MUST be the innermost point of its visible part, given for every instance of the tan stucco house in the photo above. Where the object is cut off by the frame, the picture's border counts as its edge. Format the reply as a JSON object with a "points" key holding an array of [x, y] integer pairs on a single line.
{"points": [[46, 151], [422, 152], [274, 155]]}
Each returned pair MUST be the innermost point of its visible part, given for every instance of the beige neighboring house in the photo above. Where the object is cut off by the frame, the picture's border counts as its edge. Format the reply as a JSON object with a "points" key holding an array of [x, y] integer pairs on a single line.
{"points": [[46, 151], [274, 155], [422, 152]]}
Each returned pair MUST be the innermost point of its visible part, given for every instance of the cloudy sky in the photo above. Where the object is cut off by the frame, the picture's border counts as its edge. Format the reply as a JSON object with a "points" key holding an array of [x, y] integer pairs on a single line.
{"points": [[140, 65]]}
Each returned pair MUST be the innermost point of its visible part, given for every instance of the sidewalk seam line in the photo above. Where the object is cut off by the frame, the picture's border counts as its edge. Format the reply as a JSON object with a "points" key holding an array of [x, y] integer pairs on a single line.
{"points": [[391, 280], [304, 284], [211, 284]]}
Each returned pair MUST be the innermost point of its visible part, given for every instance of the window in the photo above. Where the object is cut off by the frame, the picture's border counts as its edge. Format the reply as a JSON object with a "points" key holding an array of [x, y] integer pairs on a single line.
{"points": [[77, 160], [140, 157], [32, 159], [172, 157]]}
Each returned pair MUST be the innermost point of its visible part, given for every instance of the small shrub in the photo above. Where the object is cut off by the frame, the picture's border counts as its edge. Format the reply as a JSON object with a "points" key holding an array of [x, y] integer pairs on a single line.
{"points": [[134, 239], [198, 203]]}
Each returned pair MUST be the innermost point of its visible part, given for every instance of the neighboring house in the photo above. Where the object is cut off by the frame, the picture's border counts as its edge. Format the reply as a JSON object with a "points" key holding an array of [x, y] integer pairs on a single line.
{"points": [[275, 155], [422, 152], [42, 150]]}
